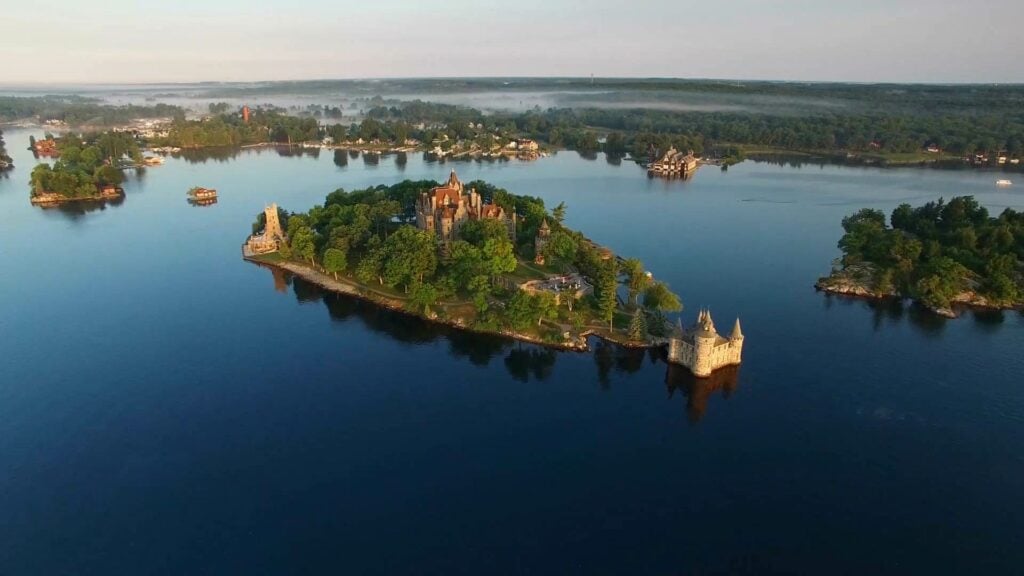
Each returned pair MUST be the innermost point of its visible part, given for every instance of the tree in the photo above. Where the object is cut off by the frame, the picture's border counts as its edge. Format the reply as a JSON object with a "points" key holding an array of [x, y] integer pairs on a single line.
{"points": [[638, 326], [560, 247], [637, 279], [411, 256], [335, 260], [545, 306], [498, 257], [607, 295], [477, 232], [520, 311], [303, 243], [558, 212], [422, 296], [657, 296]]}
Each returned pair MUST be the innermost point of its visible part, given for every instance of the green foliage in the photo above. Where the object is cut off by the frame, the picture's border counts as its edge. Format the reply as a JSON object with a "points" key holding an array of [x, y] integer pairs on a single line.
{"points": [[303, 242], [85, 163], [936, 251], [5, 160], [560, 248], [657, 296], [477, 232], [423, 296], [410, 256], [335, 261], [607, 291], [637, 279], [638, 326]]}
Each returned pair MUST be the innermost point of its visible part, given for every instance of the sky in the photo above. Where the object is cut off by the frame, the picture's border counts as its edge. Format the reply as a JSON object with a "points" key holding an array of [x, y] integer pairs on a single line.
{"points": [[144, 41]]}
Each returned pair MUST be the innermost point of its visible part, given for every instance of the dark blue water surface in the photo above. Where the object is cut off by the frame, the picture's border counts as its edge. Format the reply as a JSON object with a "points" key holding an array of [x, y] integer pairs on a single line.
{"points": [[165, 410]]}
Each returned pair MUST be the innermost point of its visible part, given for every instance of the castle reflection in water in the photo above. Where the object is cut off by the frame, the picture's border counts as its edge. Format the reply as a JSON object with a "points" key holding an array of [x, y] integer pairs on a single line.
{"points": [[523, 362]]}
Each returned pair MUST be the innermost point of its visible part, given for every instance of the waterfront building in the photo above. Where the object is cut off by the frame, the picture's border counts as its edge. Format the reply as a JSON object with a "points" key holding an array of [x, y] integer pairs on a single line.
{"points": [[272, 236], [702, 349], [674, 163], [445, 208]]}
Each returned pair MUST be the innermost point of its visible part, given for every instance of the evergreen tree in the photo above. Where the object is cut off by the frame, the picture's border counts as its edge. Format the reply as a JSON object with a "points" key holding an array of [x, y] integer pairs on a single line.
{"points": [[638, 326]]}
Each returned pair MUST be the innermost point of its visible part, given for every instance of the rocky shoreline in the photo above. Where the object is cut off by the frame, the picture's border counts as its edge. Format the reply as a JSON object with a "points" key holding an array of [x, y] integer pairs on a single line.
{"points": [[857, 282], [52, 198], [340, 286]]}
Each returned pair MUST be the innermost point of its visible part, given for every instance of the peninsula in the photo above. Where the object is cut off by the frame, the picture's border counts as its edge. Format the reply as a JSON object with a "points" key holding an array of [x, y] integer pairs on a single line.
{"points": [[942, 255], [5, 161], [479, 258]]}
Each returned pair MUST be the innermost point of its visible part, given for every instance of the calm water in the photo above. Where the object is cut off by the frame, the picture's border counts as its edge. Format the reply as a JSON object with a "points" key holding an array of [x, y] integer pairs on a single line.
{"points": [[166, 408]]}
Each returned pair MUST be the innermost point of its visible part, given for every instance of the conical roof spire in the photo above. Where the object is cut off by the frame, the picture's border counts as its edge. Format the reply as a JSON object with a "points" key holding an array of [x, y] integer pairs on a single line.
{"points": [[736, 332]]}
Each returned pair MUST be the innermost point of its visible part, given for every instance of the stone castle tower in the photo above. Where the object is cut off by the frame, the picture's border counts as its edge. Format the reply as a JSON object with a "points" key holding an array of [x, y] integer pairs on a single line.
{"points": [[702, 349], [543, 235], [271, 238]]}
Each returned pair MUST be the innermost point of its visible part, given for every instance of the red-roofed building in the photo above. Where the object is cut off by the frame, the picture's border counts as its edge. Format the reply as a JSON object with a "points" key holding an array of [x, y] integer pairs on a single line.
{"points": [[444, 208]]}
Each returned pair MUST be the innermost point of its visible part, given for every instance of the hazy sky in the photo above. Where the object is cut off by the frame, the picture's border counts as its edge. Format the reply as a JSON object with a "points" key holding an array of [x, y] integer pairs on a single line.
{"points": [[191, 40]]}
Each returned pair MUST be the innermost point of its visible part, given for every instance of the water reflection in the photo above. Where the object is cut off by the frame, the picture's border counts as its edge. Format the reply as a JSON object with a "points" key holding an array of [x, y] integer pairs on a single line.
{"points": [[892, 310], [523, 362], [697, 391], [340, 158], [76, 210], [204, 155]]}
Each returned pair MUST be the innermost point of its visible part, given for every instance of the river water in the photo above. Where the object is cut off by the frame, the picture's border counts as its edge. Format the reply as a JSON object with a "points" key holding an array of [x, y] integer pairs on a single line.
{"points": [[167, 408]]}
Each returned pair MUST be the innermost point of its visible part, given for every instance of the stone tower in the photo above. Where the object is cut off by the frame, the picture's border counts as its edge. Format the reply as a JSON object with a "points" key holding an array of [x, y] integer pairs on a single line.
{"points": [[543, 234], [702, 349], [272, 237], [273, 226]]}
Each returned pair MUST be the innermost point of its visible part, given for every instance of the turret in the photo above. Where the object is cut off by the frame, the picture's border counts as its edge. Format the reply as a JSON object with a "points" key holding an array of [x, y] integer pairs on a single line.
{"points": [[736, 334]]}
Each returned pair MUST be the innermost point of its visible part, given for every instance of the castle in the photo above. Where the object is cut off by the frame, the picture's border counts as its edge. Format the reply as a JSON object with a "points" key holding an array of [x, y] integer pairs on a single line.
{"points": [[674, 163], [444, 208], [702, 349], [271, 238]]}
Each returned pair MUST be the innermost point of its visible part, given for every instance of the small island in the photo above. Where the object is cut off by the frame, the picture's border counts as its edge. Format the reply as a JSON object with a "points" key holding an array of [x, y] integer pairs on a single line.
{"points": [[479, 258], [942, 255], [87, 168], [199, 196]]}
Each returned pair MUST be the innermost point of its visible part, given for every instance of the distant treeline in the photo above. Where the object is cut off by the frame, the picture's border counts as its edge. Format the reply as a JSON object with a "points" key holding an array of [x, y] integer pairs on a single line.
{"points": [[264, 125], [641, 132], [77, 110]]}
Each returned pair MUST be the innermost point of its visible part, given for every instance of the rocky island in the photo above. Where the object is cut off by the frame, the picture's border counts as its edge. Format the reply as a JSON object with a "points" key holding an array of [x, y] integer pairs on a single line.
{"points": [[942, 255], [479, 258]]}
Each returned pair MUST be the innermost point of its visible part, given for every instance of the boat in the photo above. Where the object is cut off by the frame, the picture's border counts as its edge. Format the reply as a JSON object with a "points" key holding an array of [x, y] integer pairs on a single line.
{"points": [[1003, 183], [152, 160]]}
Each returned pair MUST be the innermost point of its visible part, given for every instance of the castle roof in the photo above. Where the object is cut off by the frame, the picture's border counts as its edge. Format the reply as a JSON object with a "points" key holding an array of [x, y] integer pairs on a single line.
{"points": [[544, 225], [446, 195], [736, 332]]}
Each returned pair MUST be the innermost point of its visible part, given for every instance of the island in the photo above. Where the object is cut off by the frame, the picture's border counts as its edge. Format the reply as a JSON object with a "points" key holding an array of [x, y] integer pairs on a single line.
{"points": [[943, 255], [88, 168], [480, 258]]}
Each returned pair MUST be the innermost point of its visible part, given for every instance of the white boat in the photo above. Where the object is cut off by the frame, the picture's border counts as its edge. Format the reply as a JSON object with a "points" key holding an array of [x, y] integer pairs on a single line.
{"points": [[1003, 183]]}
